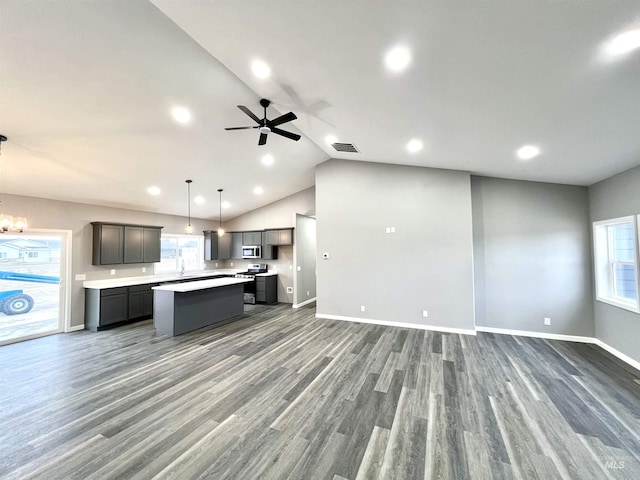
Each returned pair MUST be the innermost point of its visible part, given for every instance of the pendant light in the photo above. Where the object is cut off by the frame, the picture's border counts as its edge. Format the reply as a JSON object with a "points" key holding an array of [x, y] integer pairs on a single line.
{"points": [[9, 223], [220, 229], [189, 228]]}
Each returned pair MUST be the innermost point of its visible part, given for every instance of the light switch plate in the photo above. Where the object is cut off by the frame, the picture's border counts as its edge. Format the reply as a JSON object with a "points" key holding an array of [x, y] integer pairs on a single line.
{"points": [[113, 271], [289, 289]]}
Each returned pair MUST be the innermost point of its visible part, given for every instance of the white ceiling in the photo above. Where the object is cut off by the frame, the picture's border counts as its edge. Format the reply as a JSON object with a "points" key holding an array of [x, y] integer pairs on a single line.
{"points": [[86, 89]]}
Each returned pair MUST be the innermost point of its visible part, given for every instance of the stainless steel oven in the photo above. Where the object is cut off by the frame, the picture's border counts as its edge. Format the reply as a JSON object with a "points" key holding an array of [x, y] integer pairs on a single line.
{"points": [[250, 288]]}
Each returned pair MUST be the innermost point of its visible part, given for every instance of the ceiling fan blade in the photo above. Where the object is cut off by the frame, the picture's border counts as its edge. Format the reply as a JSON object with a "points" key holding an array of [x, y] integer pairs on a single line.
{"points": [[241, 128], [284, 133], [249, 112], [287, 117], [263, 139]]}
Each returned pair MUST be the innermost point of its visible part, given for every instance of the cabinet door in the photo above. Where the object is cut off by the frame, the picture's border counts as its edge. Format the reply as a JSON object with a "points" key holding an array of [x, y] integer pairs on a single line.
{"points": [[109, 240], [224, 246], [285, 237], [133, 244], [236, 245], [211, 251], [272, 237], [136, 304], [147, 303], [252, 238], [151, 245], [113, 308]]}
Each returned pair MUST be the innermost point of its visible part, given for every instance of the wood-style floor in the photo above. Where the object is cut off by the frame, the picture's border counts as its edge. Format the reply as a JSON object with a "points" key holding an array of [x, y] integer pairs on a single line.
{"points": [[280, 394]]}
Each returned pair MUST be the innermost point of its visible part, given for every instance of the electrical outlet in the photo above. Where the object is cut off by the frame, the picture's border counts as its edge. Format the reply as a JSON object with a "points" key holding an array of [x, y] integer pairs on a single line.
{"points": [[113, 271], [231, 264], [81, 276], [425, 313], [299, 268], [216, 264], [308, 293], [362, 308], [393, 229], [388, 230], [289, 289], [144, 269], [547, 321]]}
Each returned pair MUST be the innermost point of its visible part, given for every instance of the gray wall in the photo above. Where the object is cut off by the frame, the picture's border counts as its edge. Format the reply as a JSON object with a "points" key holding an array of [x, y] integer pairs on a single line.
{"points": [[305, 258], [275, 215], [617, 196], [425, 265], [51, 214], [532, 256]]}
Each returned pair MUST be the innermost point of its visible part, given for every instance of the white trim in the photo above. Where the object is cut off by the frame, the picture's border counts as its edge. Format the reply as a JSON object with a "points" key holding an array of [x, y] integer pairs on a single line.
{"points": [[567, 338], [625, 358], [75, 328], [526, 333], [306, 302], [416, 326]]}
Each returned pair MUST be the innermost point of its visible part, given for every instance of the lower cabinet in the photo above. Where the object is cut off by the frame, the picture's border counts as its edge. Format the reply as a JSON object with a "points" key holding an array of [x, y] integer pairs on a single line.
{"points": [[112, 306], [267, 289]]}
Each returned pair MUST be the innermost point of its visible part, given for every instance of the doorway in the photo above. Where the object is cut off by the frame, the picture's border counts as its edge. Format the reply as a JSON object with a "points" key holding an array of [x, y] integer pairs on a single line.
{"points": [[32, 284]]}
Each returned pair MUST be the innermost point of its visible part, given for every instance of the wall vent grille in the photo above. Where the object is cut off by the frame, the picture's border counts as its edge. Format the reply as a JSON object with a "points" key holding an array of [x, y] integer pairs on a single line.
{"points": [[345, 147]]}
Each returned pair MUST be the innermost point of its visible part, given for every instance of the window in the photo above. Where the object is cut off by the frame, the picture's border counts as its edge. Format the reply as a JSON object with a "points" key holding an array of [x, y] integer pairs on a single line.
{"points": [[32, 254], [616, 262], [176, 249]]}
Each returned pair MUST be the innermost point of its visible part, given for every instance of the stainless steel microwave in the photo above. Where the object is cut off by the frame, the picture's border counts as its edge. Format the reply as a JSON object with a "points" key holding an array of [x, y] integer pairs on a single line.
{"points": [[251, 251]]}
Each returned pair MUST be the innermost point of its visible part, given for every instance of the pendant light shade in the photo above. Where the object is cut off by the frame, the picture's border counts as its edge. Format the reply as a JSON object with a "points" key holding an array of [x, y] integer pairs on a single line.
{"points": [[220, 229], [189, 228]]}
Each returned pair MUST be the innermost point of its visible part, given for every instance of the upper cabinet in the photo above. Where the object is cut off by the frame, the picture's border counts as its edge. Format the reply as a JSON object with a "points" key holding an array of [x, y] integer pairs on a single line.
{"points": [[251, 238], [217, 248], [283, 236], [115, 244]]}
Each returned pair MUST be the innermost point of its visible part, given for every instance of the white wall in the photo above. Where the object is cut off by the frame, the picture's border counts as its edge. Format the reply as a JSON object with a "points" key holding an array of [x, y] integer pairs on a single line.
{"points": [[426, 265], [77, 217], [617, 196], [532, 256], [280, 214]]}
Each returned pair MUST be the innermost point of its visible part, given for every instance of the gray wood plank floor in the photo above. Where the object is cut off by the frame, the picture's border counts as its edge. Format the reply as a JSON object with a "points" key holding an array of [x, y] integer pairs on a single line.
{"points": [[279, 394]]}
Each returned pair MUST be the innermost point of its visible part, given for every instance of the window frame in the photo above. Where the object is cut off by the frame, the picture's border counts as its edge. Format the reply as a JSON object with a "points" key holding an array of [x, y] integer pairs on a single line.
{"points": [[604, 268], [200, 258]]}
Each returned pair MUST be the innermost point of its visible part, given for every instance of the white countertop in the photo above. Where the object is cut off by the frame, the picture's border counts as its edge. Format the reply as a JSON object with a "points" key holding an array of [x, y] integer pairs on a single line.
{"points": [[202, 284], [268, 274], [145, 279]]}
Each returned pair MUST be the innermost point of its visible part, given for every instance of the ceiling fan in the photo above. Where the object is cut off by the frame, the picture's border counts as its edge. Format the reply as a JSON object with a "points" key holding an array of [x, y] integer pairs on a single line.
{"points": [[267, 126]]}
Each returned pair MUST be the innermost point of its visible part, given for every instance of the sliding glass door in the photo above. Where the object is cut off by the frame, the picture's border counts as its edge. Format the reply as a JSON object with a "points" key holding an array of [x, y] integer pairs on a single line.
{"points": [[31, 285]]}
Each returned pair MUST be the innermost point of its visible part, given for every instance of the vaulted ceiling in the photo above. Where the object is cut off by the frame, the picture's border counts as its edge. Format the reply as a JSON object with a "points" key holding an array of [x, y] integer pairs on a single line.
{"points": [[87, 89]]}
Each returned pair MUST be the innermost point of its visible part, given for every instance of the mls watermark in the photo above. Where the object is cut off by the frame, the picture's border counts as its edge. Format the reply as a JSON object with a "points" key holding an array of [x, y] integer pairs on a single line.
{"points": [[617, 462]]}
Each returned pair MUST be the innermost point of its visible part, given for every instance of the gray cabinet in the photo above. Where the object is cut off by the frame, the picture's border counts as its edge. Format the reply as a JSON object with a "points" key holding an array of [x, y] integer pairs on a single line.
{"points": [[217, 248], [115, 244], [269, 251], [236, 245], [251, 238], [267, 289], [112, 306], [283, 236], [108, 244]]}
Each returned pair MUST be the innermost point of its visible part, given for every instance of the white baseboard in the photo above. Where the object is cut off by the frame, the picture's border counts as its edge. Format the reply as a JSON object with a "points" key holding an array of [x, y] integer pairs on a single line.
{"points": [[567, 338], [526, 333], [625, 358], [75, 328], [306, 302], [416, 326]]}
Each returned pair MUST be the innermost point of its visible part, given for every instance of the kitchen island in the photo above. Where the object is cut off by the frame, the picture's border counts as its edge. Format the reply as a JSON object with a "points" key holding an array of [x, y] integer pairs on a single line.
{"points": [[182, 307]]}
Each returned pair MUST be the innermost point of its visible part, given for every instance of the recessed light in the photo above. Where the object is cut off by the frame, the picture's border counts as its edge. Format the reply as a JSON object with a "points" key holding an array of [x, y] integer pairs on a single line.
{"points": [[414, 145], [267, 160], [154, 191], [199, 200], [397, 59], [623, 43], [181, 115], [528, 152], [258, 190], [261, 69], [330, 139], [226, 204]]}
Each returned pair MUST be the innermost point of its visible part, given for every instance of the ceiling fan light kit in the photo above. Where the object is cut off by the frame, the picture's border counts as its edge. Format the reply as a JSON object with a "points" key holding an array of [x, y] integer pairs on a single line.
{"points": [[267, 126]]}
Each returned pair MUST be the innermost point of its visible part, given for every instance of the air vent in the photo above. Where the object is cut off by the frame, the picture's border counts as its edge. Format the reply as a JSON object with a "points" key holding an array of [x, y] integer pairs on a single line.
{"points": [[345, 147]]}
